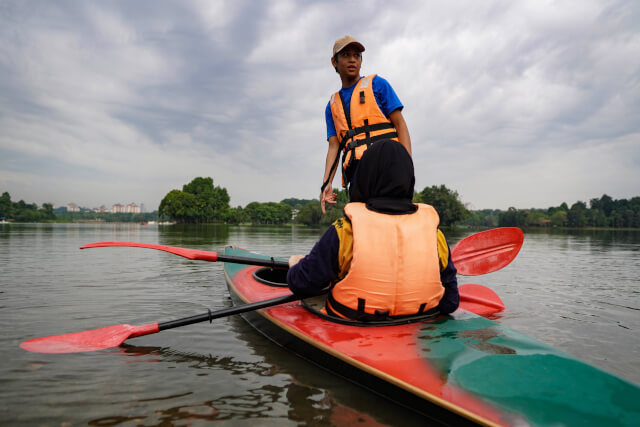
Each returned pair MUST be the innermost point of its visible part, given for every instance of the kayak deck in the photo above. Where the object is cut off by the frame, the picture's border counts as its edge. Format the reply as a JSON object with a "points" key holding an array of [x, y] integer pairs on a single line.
{"points": [[456, 369]]}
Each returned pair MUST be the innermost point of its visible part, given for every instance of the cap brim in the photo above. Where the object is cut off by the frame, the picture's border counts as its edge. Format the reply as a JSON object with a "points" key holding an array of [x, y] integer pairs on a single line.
{"points": [[356, 44]]}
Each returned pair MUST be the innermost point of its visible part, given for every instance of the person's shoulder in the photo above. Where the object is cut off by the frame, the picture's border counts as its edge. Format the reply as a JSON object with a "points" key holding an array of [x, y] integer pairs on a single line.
{"points": [[380, 81]]}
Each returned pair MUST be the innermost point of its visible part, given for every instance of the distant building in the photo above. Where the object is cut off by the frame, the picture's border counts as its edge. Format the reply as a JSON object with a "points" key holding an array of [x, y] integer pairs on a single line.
{"points": [[133, 208], [117, 208], [72, 207]]}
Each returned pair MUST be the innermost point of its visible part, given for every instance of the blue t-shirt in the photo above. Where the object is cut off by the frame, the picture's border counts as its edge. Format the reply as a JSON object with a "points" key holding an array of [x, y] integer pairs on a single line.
{"points": [[386, 99]]}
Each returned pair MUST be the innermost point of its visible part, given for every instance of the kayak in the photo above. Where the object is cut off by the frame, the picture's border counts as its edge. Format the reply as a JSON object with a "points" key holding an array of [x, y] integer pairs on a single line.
{"points": [[459, 369]]}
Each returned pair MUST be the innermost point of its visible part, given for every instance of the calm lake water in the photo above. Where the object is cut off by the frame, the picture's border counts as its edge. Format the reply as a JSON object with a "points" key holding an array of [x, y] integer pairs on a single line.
{"points": [[577, 291]]}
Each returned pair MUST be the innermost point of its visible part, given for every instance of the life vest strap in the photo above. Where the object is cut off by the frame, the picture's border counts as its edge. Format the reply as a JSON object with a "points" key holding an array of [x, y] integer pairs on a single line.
{"points": [[348, 165], [353, 144], [347, 112], [335, 308], [365, 129]]}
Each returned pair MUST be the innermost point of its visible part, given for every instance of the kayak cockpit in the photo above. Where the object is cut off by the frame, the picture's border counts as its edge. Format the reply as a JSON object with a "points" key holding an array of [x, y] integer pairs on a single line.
{"points": [[278, 278], [271, 277]]}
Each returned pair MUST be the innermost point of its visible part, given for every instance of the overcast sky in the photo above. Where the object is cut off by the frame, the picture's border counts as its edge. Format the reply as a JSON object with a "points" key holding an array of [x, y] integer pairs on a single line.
{"points": [[510, 103]]}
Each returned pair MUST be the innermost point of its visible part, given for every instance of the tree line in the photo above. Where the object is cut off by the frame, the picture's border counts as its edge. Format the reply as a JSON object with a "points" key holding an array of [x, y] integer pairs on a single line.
{"points": [[30, 212], [200, 201], [24, 212], [88, 215], [446, 202], [601, 212]]}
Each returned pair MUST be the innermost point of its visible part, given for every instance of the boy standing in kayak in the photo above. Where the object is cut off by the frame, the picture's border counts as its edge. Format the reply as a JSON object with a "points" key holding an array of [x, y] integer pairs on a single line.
{"points": [[364, 111], [386, 259]]}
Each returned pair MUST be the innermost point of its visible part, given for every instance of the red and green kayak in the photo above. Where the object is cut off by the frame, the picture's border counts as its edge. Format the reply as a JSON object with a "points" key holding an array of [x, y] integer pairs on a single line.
{"points": [[461, 369]]}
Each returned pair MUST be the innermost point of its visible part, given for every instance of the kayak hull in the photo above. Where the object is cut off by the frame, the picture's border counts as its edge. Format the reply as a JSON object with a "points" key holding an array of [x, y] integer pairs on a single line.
{"points": [[461, 369], [319, 356]]}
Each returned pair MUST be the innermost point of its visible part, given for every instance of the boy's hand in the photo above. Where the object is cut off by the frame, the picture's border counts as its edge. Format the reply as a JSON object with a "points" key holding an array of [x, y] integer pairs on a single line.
{"points": [[327, 196]]}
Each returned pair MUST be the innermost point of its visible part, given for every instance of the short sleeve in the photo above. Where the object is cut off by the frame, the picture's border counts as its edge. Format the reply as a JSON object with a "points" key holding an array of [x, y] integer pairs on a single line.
{"points": [[385, 96], [331, 127]]}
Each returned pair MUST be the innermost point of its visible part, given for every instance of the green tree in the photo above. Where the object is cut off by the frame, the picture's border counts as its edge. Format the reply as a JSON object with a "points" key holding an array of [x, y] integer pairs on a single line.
{"points": [[268, 213], [210, 202], [199, 201], [535, 219], [576, 216], [179, 206], [6, 206], [235, 216], [47, 211], [513, 218], [446, 202], [309, 214], [26, 212], [559, 218], [296, 203], [485, 217]]}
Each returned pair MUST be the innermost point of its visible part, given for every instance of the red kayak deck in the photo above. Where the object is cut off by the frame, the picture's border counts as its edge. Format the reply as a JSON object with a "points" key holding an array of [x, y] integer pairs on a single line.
{"points": [[459, 369]]}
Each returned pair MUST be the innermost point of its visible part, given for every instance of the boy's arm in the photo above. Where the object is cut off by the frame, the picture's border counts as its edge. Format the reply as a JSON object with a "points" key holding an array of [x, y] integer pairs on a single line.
{"points": [[397, 119], [328, 196]]}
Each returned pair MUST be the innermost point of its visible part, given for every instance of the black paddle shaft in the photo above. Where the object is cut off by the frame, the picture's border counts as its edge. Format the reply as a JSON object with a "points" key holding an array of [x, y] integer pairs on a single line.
{"points": [[227, 311], [272, 263]]}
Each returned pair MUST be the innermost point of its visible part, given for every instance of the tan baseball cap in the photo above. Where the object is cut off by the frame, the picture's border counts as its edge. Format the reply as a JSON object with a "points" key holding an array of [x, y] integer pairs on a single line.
{"points": [[343, 42]]}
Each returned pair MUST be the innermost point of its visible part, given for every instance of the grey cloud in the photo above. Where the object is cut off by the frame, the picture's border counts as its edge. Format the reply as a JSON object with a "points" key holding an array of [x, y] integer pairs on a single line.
{"points": [[157, 92]]}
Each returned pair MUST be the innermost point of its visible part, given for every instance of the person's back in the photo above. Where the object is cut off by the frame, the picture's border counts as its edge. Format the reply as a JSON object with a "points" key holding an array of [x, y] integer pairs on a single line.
{"points": [[392, 273], [386, 259]]}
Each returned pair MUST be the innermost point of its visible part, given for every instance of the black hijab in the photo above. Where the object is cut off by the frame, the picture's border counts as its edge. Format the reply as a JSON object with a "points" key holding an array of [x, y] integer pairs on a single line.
{"points": [[384, 179]]}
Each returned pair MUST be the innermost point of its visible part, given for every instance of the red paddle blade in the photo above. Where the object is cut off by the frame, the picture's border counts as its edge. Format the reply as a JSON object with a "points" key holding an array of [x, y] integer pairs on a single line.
{"points": [[487, 251], [94, 339], [480, 300], [183, 252]]}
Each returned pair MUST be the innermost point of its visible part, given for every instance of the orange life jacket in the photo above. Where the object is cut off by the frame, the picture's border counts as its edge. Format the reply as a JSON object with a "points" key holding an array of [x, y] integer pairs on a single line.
{"points": [[364, 125], [395, 269]]}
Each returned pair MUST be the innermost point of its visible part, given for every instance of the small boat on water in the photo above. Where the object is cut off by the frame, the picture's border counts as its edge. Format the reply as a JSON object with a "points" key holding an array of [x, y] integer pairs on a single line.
{"points": [[461, 369]]}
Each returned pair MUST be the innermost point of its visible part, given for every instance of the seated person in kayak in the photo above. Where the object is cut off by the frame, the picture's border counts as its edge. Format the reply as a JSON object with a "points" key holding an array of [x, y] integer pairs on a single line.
{"points": [[386, 258]]}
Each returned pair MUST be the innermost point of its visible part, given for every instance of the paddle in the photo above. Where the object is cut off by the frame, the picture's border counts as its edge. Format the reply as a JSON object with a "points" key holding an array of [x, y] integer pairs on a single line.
{"points": [[487, 251], [195, 254], [480, 300], [113, 336], [480, 253], [475, 298]]}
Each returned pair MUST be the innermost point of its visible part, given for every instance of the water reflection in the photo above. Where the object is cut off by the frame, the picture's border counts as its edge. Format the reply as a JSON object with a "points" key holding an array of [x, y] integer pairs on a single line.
{"points": [[302, 402], [199, 235], [179, 415], [597, 238], [303, 398]]}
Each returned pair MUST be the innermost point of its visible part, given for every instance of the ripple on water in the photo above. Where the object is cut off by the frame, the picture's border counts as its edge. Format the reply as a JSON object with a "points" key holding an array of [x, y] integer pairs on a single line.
{"points": [[578, 293]]}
